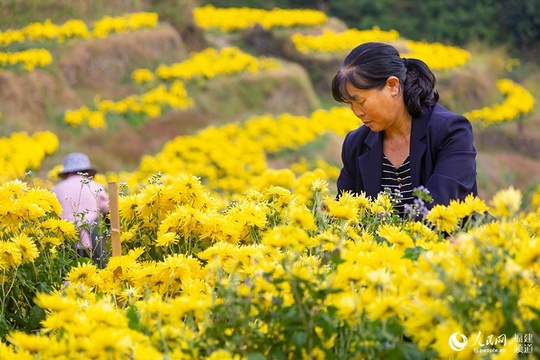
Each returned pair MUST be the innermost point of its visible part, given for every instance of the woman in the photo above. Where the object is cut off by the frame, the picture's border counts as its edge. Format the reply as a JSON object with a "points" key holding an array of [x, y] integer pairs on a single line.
{"points": [[84, 201], [407, 139]]}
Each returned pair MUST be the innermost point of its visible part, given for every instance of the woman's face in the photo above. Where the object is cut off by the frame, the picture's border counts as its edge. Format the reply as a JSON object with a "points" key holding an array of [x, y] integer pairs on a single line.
{"points": [[379, 109]]}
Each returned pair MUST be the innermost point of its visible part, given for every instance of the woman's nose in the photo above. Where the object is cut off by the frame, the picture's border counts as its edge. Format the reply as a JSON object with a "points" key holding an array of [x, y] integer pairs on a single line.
{"points": [[358, 111]]}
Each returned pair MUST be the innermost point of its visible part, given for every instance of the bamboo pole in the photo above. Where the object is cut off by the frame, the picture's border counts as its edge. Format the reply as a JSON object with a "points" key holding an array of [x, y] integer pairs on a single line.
{"points": [[115, 219]]}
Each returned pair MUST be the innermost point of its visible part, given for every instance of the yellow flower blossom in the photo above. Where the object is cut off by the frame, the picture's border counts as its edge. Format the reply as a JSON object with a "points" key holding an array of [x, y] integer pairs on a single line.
{"points": [[28, 59], [84, 273], [346, 207], [384, 308], [528, 254], [142, 76], [283, 236], [60, 227], [55, 302], [223, 355], [303, 217], [166, 239], [395, 235], [27, 342], [443, 334], [443, 218], [10, 255], [27, 248], [506, 202]]}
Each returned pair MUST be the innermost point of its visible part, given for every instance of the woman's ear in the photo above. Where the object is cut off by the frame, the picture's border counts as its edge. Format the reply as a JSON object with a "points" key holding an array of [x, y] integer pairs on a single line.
{"points": [[393, 85]]}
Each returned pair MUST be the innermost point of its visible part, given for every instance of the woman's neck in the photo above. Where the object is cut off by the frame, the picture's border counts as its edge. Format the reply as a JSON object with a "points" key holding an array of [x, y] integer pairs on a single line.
{"points": [[401, 129]]}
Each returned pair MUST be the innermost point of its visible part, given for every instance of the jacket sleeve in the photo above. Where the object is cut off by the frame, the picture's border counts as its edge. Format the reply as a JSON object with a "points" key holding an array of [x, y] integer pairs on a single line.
{"points": [[454, 172], [346, 180]]}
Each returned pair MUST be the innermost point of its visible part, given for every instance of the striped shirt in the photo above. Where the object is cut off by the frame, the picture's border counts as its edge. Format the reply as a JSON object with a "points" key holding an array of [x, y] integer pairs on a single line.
{"points": [[398, 181]]}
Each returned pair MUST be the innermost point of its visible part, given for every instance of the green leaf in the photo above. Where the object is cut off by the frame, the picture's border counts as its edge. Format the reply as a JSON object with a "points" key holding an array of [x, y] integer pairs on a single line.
{"points": [[413, 253], [382, 240], [394, 327], [410, 351], [35, 316], [256, 356], [326, 321], [299, 338], [133, 317], [5, 327]]}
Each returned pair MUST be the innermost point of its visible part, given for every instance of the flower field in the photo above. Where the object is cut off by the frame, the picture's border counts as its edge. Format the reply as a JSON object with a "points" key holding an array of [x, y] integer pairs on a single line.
{"points": [[224, 256]]}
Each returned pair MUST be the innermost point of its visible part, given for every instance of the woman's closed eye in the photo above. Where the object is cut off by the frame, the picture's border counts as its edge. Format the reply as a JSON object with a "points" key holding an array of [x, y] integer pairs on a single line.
{"points": [[356, 102]]}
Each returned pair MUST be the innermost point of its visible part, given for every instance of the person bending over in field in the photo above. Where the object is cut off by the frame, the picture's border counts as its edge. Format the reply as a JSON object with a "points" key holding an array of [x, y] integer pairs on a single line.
{"points": [[83, 201]]}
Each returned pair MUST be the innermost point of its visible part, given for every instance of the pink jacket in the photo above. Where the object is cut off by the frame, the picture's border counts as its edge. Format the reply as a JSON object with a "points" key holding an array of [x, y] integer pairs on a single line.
{"points": [[82, 200]]}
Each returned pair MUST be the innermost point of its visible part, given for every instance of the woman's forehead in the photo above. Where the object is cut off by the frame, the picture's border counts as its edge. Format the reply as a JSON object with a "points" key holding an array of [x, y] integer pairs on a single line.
{"points": [[352, 92]]}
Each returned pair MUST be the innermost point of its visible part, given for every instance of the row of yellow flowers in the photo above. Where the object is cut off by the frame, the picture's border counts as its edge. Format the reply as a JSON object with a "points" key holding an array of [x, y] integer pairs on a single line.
{"points": [[208, 64], [271, 275], [72, 29], [28, 59], [78, 29], [517, 103], [146, 106], [333, 42], [436, 55], [202, 65], [238, 19]]}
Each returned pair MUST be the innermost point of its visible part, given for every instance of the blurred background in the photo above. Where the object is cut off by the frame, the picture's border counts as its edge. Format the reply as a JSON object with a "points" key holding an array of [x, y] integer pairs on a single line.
{"points": [[502, 37]]}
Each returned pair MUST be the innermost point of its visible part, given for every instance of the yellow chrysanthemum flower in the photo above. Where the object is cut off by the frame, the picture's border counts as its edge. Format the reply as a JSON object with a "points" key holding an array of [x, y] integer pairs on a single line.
{"points": [[10, 255], [443, 218], [346, 207], [384, 307], [506, 203], [84, 273], [27, 247], [28, 342], [55, 302], [395, 235]]}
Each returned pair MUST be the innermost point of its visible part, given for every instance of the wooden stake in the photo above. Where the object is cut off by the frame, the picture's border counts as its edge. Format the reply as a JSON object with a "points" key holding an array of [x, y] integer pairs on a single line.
{"points": [[115, 219]]}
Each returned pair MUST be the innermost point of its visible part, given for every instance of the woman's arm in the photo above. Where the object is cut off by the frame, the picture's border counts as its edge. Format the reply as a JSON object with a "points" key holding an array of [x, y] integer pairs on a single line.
{"points": [[346, 180], [454, 173]]}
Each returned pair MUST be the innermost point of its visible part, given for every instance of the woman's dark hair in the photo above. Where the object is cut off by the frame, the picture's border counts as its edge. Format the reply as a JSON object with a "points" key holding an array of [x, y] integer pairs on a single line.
{"points": [[369, 65]]}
